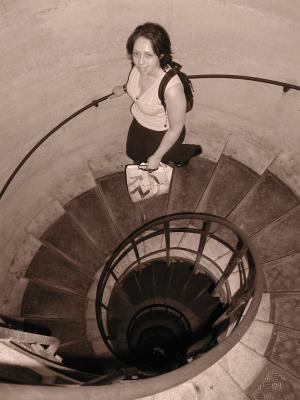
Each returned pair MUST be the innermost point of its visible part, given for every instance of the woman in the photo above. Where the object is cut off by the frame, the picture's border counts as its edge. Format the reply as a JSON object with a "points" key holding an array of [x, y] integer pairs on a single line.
{"points": [[155, 134]]}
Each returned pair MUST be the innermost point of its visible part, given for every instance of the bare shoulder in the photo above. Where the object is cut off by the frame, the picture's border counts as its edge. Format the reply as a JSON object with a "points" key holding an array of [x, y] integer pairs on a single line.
{"points": [[175, 80], [174, 88]]}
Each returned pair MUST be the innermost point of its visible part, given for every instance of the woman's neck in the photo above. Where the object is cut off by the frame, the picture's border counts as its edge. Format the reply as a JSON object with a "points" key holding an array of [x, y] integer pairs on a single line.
{"points": [[153, 75]]}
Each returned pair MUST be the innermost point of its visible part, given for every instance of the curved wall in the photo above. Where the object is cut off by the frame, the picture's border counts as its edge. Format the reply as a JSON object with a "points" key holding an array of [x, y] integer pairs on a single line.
{"points": [[56, 58]]}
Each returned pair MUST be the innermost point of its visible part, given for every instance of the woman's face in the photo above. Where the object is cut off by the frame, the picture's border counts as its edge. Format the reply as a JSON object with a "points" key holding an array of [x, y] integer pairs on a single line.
{"points": [[144, 57]]}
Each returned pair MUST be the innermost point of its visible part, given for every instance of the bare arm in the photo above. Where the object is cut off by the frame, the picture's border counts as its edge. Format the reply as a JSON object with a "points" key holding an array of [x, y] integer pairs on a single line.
{"points": [[176, 108]]}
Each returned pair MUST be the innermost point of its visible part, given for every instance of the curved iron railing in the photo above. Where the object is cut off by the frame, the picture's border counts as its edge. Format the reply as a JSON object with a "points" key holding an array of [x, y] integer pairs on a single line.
{"points": [[94, 103], [197, 238], [286, 87]]}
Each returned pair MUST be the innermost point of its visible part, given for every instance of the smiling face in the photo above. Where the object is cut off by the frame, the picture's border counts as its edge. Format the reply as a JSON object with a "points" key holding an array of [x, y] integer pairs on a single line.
{"points": [[144, 57]]}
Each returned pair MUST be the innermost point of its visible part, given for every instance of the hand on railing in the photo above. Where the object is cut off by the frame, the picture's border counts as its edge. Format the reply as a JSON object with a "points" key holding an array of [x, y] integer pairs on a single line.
{"points": [[118, 91]]}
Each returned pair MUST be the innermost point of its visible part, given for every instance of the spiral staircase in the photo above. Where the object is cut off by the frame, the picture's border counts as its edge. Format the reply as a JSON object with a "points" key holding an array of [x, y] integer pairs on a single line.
{"points": [[172, 279]]}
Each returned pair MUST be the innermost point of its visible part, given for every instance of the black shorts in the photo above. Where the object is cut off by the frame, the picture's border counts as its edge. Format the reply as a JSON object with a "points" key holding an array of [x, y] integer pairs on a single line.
{"points": [[143, 142]]}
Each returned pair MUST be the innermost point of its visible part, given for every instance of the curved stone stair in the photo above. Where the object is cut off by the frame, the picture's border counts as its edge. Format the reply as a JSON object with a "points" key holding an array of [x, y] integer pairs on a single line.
{"points": [[61, 279]]}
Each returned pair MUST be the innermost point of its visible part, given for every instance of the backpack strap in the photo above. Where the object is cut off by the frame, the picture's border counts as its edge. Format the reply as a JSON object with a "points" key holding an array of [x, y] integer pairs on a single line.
{"points": [[163, 84]]}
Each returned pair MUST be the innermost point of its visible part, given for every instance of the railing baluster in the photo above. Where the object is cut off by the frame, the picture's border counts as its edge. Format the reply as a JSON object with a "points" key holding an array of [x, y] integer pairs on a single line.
{"points": [[235, 259], [138, 284], [136, 252], [114, 276], [202, 242], [104, 306], [240, 301], [168, 241]]}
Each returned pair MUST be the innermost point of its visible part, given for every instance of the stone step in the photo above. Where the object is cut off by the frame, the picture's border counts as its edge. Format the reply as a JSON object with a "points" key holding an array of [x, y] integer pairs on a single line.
{"points": [[189, 183], [196, 285], [132, 287], [122, 266], [119, 303], [41, 301], [213, 384], [258, 336], [154, 244], [284, 309], [208, 309], [154, 208], [264, 310], [145, 278], [243, 365], [213, 248], [108, 164], [286, 169], [106, 290], [67, 330], [232, 178], [91, 214], [66, 236], [161, 274], [248, 151], [58, 272], [267, 201], [180, 275], [80, 355], [124, 213], [281, 238], [283, 275]]}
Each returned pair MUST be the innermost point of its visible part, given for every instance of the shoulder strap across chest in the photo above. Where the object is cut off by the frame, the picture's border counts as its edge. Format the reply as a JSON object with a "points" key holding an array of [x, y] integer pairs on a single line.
{"points": [[163, 84]]}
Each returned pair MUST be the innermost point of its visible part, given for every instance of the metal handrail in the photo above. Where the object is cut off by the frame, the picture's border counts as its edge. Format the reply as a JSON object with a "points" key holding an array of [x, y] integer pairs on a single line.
{"points": [[285, 85], [253, 286], [94, 103]]}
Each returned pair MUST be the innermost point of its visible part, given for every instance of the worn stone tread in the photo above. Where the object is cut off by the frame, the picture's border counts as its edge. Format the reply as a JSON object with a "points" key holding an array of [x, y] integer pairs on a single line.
{"points": [[42, 301], [230, 177], [189, 183], [66, 236], [281, 238], [91, 213], [54, 270], [283, 275], [125, 213]]}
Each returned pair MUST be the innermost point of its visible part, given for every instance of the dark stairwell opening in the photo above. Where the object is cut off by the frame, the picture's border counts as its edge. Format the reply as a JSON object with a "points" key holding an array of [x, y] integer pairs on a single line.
{"points": [[170, 300], [163, 302]]}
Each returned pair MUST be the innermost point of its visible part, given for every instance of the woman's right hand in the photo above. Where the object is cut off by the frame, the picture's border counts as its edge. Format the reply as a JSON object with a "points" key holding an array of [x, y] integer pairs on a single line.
{"points": [[117, 91]]}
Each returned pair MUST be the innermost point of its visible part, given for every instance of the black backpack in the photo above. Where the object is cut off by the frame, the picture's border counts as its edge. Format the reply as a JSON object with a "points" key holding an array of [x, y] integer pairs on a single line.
{"points": [[187, 85]]}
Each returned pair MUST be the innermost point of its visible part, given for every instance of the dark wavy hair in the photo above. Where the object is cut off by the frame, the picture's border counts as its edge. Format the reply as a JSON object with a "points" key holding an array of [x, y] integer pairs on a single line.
{"points": [[159, 39]]}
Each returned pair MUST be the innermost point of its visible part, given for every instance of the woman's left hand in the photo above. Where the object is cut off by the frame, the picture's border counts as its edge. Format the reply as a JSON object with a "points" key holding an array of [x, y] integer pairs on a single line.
{"points": [[153, 163]]}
